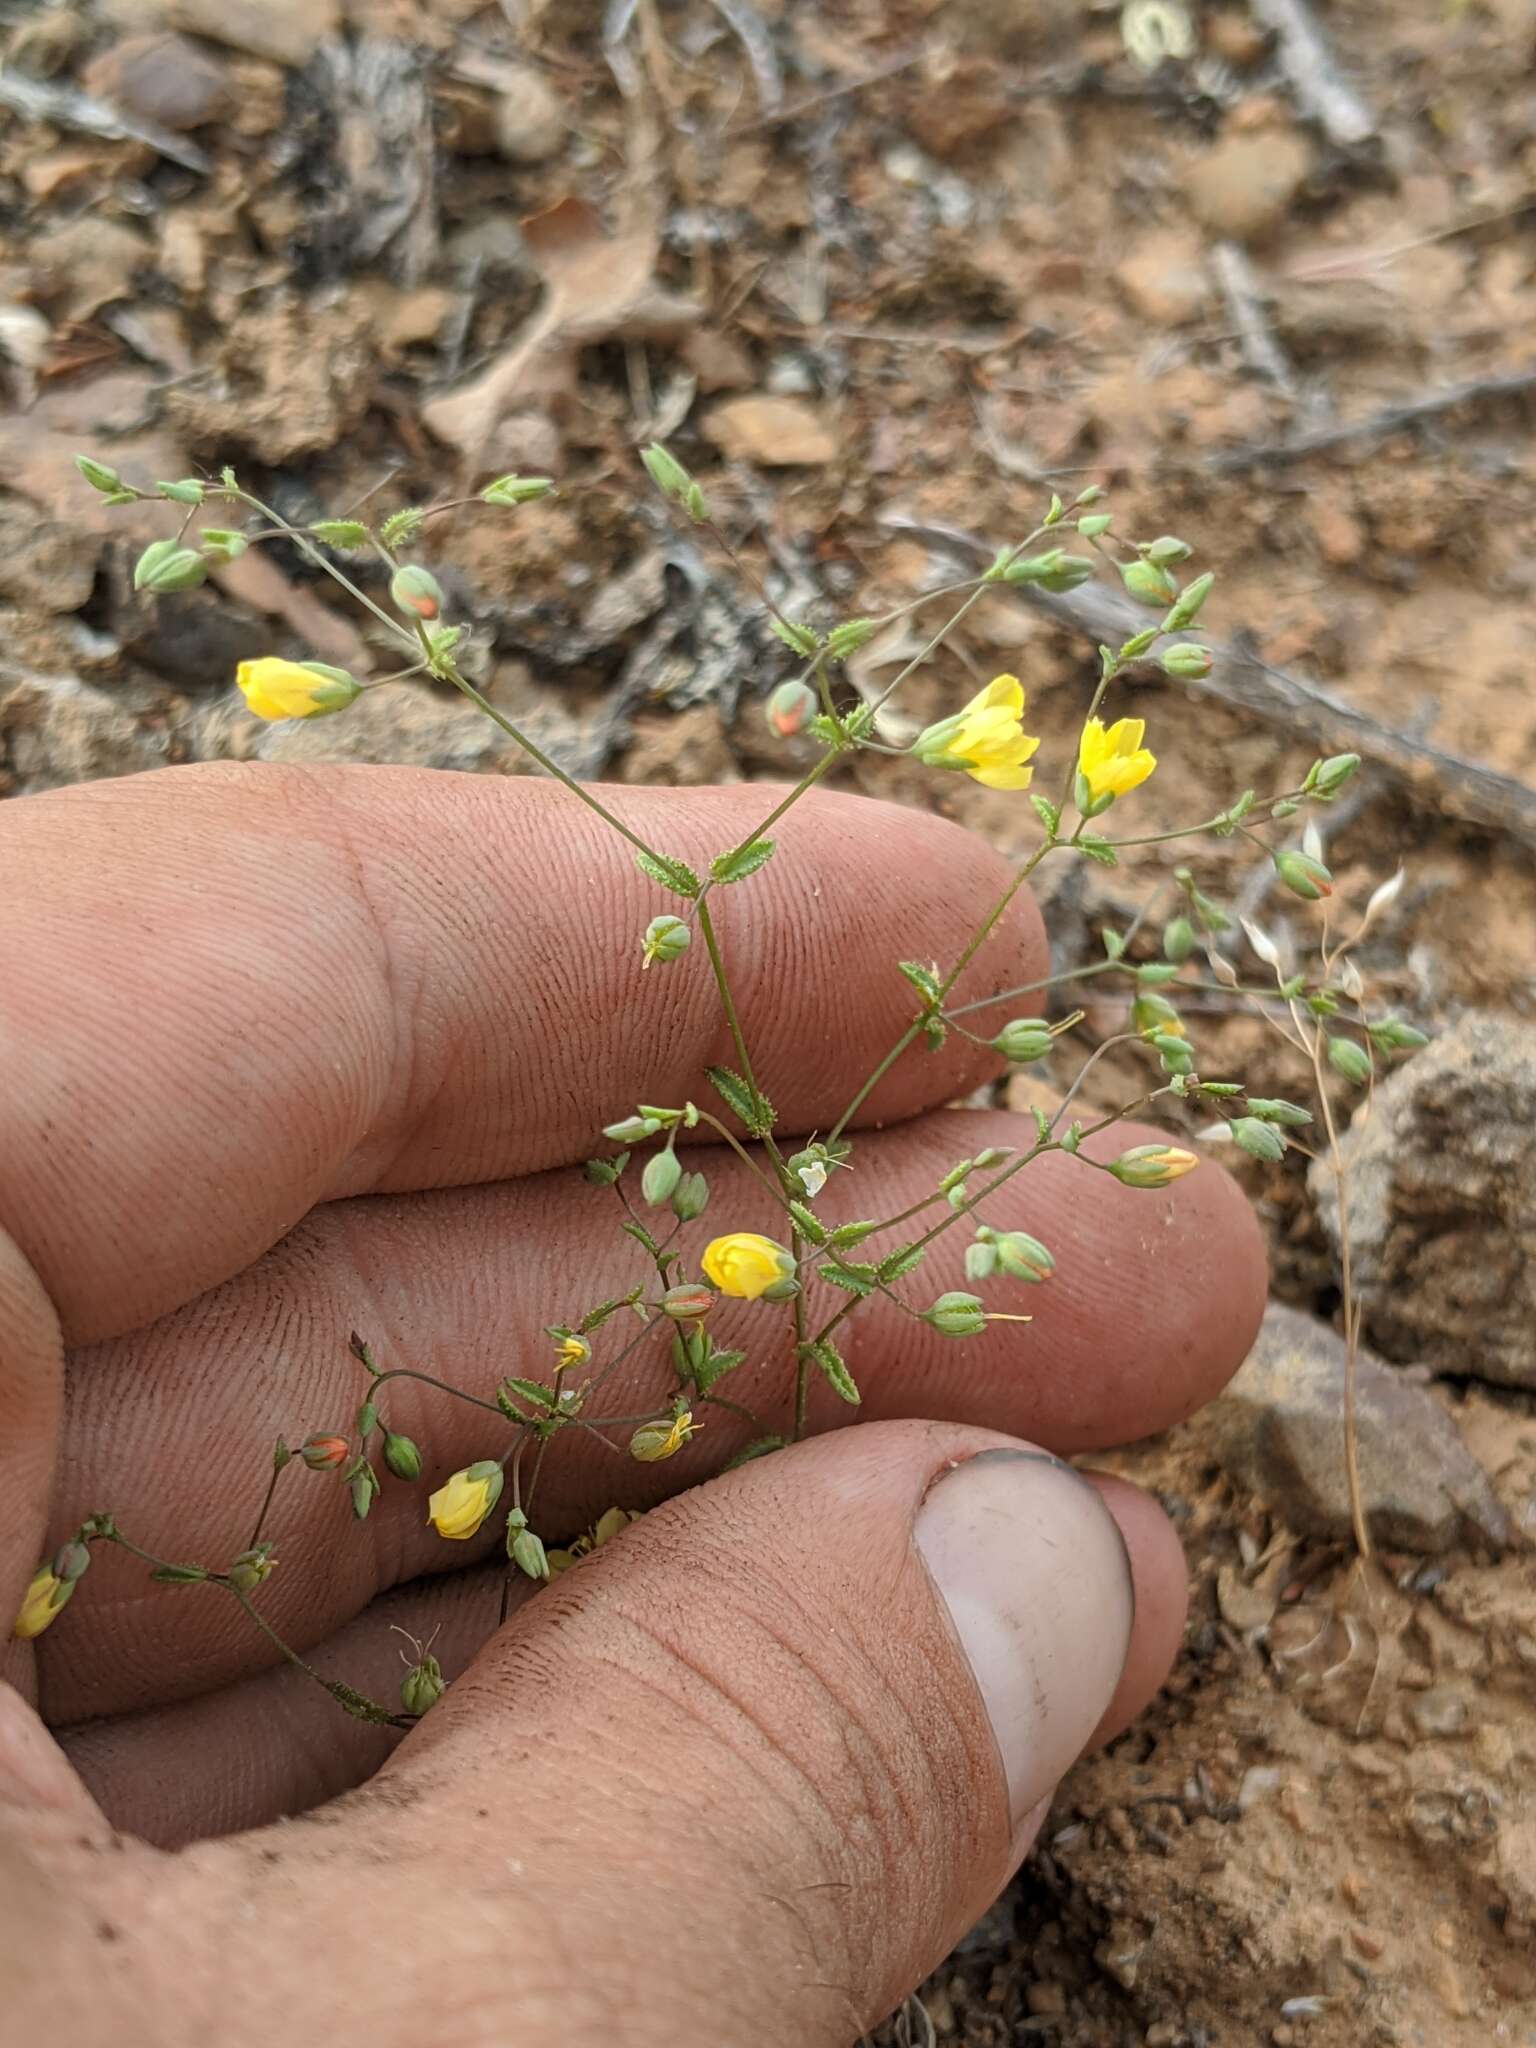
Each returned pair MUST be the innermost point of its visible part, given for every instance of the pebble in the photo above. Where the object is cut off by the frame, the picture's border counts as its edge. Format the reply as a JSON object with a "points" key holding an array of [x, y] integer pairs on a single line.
{"points": [[162, 78], [287, 31], [780, 433], [1245, 185], [1164, 277], [530, 121]]}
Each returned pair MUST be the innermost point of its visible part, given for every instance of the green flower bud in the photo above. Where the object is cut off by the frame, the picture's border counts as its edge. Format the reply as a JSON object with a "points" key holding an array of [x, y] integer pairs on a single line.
{"points": [[663, 1171], [187, 492], [517, 490], [790, 709], [665, 471], [1186, 660], [99, 475], [1148, 584], [1394, 1034], [632, 1130], [401, 1456], [422, 1686], [1303, 875], [956, 1315], [251, 1567], [1326, 778], [1094, 524], [222, 544], [526, 1551], [1257, 1137], [690, 1198], [363, 1486], [1023, 1039], [1178, 938], [166, 566], [1274, 1110], [1023, 1257], [666, 938], [1152, 1166], [417, 592], [1067, 572], [980, 1260], [1152, 1012], [1350, 1060], [1166, 550], [1186, 609], [689, 1301]]}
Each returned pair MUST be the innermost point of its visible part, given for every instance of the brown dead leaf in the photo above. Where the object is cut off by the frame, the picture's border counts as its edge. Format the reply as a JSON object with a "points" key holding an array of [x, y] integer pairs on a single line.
{"points": [[599, 287], [779, 433]]}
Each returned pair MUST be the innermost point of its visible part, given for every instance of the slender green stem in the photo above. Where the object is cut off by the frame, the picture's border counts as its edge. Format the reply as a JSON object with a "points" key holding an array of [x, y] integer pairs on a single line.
{"points": [[405, 1372], [266, 1500], [744, 1156], [365, 1709], [323, 561]]}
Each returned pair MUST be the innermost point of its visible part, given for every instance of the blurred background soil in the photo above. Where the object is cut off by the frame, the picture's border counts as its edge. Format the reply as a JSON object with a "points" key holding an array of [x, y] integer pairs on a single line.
{"points": [[885, 275]]}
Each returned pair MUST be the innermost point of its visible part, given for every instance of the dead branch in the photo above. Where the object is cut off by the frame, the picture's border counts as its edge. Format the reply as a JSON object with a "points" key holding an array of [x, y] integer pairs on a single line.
{"points": [[1312, 71], [1240, 287], [1427, 406], [1459, 788]]}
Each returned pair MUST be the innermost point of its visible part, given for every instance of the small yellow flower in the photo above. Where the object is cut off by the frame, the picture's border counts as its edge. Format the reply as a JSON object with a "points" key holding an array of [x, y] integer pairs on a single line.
{"points": [[44, 1601], [463, 1501], [294, 689], [746, 1265], [986, 740], [1153, 1166], [653, 1441], [571, 1349], [603, 1530], [1113, 762]]}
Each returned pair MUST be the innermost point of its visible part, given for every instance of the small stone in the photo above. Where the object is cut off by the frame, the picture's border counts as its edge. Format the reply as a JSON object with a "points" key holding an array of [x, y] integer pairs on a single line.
{"points": [[780, 433], [530, 122], [47, 564], [1440, 1712], [1340, 535], [287, 31], [165, 79], [1245, 185], [1046, 1997], [1367, 1943], [718, 362], [1442, 1190], [1236, 38], [91, 261], [1165, 279], [1278, 1430]]}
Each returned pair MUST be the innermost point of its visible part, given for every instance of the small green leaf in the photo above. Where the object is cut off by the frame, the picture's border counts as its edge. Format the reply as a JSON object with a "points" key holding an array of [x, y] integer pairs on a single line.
{"points": [[340, 533], [602, 1173], [828, 1360], [808, 1225], [1274, 1110], [675, 875], [1047, 813], [1098, 850], [935, 1031], [754, 1109], [714, 1367], [641, 1236], [851, 1278], [531, 1390], [742, 861], [848, 638], [902, 1260], [923, 979], [402, 526], [799, 639], [179, 1574]]}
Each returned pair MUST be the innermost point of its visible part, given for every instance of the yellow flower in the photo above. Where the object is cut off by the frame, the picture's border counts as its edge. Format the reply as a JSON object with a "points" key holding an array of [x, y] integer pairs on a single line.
{"points": [[44, 1601], [746, 1265], [653, 1441], [294, 689], [1153, 1166], [462, 1502], [603, 1530], [987, 739], [571, 1349], [1113, 762]]}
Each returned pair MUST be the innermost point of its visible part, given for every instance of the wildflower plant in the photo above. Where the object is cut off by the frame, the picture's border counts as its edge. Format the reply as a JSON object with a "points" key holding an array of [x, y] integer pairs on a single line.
{"points": [[806, 1282]]}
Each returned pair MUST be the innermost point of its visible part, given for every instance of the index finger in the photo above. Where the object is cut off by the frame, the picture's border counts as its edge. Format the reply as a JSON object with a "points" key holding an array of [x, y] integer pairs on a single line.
{"points": [[234, 993]]}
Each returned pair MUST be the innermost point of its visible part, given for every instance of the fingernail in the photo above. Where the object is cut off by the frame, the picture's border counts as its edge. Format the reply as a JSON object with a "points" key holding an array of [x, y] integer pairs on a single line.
{"points": [[1034, 1571]]}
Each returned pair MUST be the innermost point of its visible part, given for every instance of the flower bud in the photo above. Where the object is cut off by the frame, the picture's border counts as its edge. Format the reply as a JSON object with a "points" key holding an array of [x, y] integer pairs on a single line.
{"points": [[1023, 1039], [1326, 778], [1350, 1060], [653, 1441], [665, 471], [1152, 1166], [99, 475], [980, 1260], [364, 1484], [956, 1315], [165, 566], [1148, 584], [527, 1552], [222, 544], [750, 1267], [1393, 1034], [1093, 524], [324, 1453], [663, 1171], [464, 1500], [42, 1603], [690, 1198], [1178, 938], [401, 1456], [666, 938], [416, 591], [790, 709], [251, 1567], [72, 1561], [186, 490], [274, 688], [1023, 1257], [1186, 609], [686, 1302], [1152, 1012], [1259, 1139], [1186, 660], [422, 1686], [1303, 875], [517, 490], [632, 1130], [1166, 550]]}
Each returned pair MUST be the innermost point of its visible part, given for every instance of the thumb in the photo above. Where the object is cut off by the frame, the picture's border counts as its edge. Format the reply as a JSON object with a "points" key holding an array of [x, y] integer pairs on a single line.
{"points": [[745, 1776]]}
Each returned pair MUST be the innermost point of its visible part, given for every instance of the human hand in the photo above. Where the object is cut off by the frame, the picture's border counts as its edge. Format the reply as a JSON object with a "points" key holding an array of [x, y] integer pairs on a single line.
{"points": [[288, 1053]]}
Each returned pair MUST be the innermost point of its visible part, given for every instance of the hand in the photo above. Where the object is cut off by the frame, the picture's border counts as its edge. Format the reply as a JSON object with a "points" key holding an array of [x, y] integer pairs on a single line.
{"points": [[288, 1053]]}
